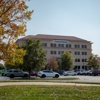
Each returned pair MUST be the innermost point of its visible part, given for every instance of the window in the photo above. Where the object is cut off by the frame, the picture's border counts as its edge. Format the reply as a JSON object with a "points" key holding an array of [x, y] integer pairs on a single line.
{"points": [[44, 44], [77, 46], [68, 45], [53, 52], [60, 52], [60, 45], [78, 67], [53, 45], [77, 60], [84, 53], [84, 46], [85, 67], [82, 67], [77, 53], [84, 60], [75, 67]]}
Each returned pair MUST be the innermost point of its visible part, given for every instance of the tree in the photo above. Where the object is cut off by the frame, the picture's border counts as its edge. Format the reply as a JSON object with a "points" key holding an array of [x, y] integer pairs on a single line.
{"points": [[1, 66], [34, 58], [66, 61], [52, 64], [93, 61], [16, 58], [13, 17]]}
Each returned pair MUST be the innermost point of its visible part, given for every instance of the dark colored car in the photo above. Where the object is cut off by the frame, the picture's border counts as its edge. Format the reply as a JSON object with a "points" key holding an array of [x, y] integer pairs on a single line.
{"points": [[61, 72], [96, 72], [89, 72], [33, 73]]}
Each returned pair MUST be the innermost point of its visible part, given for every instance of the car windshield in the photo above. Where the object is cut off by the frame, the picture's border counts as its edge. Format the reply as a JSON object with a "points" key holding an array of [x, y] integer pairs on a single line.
{"points": [[48, 71]]}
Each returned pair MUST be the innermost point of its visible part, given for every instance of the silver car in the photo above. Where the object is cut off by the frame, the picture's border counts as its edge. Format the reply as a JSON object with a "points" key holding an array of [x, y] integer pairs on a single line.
{"points": [[16, 73]]}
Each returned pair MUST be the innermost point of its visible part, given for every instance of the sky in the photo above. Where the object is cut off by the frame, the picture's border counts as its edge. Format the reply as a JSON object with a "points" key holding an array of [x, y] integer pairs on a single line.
{"points": [[80, 18]]}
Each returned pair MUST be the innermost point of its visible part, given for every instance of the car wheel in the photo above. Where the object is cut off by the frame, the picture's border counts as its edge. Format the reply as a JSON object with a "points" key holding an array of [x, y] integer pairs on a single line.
{"points": [[56, 76], [43, 76], [11, 76], [2, 74]]}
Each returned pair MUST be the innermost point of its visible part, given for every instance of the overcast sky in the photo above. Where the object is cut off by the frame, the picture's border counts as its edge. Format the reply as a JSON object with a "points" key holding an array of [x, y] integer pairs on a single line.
{"points": [[80, 18]]}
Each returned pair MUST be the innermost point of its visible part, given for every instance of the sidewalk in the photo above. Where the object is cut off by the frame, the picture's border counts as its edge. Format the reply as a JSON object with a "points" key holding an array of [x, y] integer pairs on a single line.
{"points": [[44, 83]]}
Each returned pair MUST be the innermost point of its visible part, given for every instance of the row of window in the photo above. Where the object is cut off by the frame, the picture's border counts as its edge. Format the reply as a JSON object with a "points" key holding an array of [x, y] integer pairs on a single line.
{"points": [[79, 60], [78, 53], [80, 46], [79, 67], [62, 45], [60, 52]]}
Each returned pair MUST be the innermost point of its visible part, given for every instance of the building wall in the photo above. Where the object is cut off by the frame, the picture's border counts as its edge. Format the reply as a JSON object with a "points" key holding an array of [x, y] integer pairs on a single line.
{"points": [[80, 50]]}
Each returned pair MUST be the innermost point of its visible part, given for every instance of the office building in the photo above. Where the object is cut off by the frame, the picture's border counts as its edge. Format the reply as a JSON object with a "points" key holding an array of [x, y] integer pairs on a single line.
{"points": [[55, 45]]}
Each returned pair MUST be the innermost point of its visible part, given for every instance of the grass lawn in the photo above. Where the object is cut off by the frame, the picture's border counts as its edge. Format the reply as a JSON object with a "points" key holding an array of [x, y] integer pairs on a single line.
{"points": [[32, 92]]}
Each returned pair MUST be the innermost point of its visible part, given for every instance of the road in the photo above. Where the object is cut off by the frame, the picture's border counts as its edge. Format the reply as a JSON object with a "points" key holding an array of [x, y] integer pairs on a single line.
{"points": [[81, 78]]}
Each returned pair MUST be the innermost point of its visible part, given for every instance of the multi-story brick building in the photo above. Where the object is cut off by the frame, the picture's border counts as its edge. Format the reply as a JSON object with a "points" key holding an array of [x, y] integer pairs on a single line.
{"points": [[55, 45]]}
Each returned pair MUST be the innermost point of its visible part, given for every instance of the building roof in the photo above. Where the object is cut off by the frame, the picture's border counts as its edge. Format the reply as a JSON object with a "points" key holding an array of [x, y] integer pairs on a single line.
{"points": [[56, 37]]}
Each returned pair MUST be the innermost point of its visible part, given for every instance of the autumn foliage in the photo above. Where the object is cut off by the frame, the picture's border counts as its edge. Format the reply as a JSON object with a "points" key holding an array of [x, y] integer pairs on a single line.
{"points": [[13, 17], [52, 63]]}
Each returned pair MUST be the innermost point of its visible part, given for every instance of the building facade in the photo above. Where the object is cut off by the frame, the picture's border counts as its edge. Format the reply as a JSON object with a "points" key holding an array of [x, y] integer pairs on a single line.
{"points": [[55, 45]]}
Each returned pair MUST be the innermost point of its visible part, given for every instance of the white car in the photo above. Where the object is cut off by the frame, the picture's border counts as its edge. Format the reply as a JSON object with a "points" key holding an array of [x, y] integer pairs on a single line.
{"points": [[69, 73], [48, 73]]}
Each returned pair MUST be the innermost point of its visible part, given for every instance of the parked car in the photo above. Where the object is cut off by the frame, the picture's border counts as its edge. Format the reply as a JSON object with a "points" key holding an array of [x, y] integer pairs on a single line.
{"points": [[48, 73], [81, 72], [61, 72], [89, 72], [3, 72], [33, 73], [96, 72], [84, 72], [67, 73], [16, 73]]}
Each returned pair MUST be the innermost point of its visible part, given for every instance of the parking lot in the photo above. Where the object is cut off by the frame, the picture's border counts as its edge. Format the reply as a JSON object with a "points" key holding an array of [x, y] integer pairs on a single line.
{"points": [[84, 78]]}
